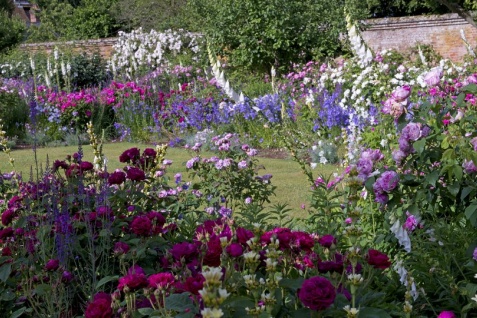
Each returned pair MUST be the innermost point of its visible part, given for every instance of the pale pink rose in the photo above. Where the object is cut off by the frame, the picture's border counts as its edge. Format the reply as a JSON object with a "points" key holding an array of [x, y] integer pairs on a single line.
{"points": [[401, 93], [433, 77]]}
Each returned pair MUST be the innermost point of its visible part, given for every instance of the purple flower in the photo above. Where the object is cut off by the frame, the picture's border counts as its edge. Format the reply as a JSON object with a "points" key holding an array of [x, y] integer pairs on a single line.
{"points": [[398, 156], [242, 164], [411, 222], [469, 166], [412, 131], [473, 142], [474, 255], [178, 178], [190, 163], [364, 167]]}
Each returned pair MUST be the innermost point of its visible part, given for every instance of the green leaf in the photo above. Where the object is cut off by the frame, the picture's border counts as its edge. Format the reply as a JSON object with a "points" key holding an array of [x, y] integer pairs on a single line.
{"points": [[105, 280], [5, 271], [146, 311], [179, 302], [43, 289], [454, 188], [432, 178], [471, 213], [465, 192], [369, 312], [18, 313], [471, 88], [293, 284], [458, 172], [419, 145]]}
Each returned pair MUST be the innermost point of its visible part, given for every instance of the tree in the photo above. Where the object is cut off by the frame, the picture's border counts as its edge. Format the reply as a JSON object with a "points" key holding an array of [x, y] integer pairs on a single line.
{"points": [[11, 28], [159, 15], [92, 19], [257, 34]]}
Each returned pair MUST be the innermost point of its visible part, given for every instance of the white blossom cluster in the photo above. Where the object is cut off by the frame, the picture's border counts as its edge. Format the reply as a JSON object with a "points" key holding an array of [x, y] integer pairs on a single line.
{"points": [[139, 49]]}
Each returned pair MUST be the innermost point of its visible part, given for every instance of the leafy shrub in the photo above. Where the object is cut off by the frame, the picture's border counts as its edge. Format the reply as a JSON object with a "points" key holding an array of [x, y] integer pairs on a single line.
{"points": [[14, 113]]}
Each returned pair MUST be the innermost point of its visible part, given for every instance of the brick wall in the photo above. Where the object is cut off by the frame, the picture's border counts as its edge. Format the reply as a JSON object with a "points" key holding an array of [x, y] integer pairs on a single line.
{"points": [[440, 31], [102, 46]]}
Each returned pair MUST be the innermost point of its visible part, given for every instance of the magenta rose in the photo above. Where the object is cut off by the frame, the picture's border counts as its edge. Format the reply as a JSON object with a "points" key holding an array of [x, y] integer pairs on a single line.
{"points": [[378, 260], [234, 250], [100, 307], [161, 280], [446, 314], [52, 265], [317, 293], [192, 284]]}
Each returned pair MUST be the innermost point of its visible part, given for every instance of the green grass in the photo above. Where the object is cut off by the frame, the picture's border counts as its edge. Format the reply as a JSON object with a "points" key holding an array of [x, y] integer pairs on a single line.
{"points": [[292, 185]]}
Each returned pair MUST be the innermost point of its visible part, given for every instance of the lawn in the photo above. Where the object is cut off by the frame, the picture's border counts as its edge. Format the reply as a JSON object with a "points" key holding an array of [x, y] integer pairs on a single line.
{"points": [[292, 185]]}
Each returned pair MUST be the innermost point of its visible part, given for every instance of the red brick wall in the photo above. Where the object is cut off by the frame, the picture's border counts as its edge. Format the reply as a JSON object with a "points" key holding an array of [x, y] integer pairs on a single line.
{"points": [[442, 32], [102, 46]]}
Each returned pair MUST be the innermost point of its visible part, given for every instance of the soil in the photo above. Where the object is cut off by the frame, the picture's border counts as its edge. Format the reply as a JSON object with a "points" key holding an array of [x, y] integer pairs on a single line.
{"points": [[273, 153]]}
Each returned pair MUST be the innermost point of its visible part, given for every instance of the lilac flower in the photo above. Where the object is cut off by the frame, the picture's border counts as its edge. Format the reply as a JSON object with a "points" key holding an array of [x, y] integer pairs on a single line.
{"points": [[178, 178], [242, 164], [469, 166], [401, 93], [364, 167], [411, 222], [411, 132], [388, 181], [190, 163]]}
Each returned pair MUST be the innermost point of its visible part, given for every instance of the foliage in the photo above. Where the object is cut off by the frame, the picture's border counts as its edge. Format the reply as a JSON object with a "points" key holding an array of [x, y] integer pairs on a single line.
{"points": [[14, 113], [12, 30]]}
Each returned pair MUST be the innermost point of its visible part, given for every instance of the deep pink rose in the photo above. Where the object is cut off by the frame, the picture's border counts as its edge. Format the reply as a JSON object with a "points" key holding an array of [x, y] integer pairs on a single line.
{"points": [[100, 307], [304, 241], [52, 265], [161, 280], [6, 232], [317, 293], [378, 260], [133, 281]]}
